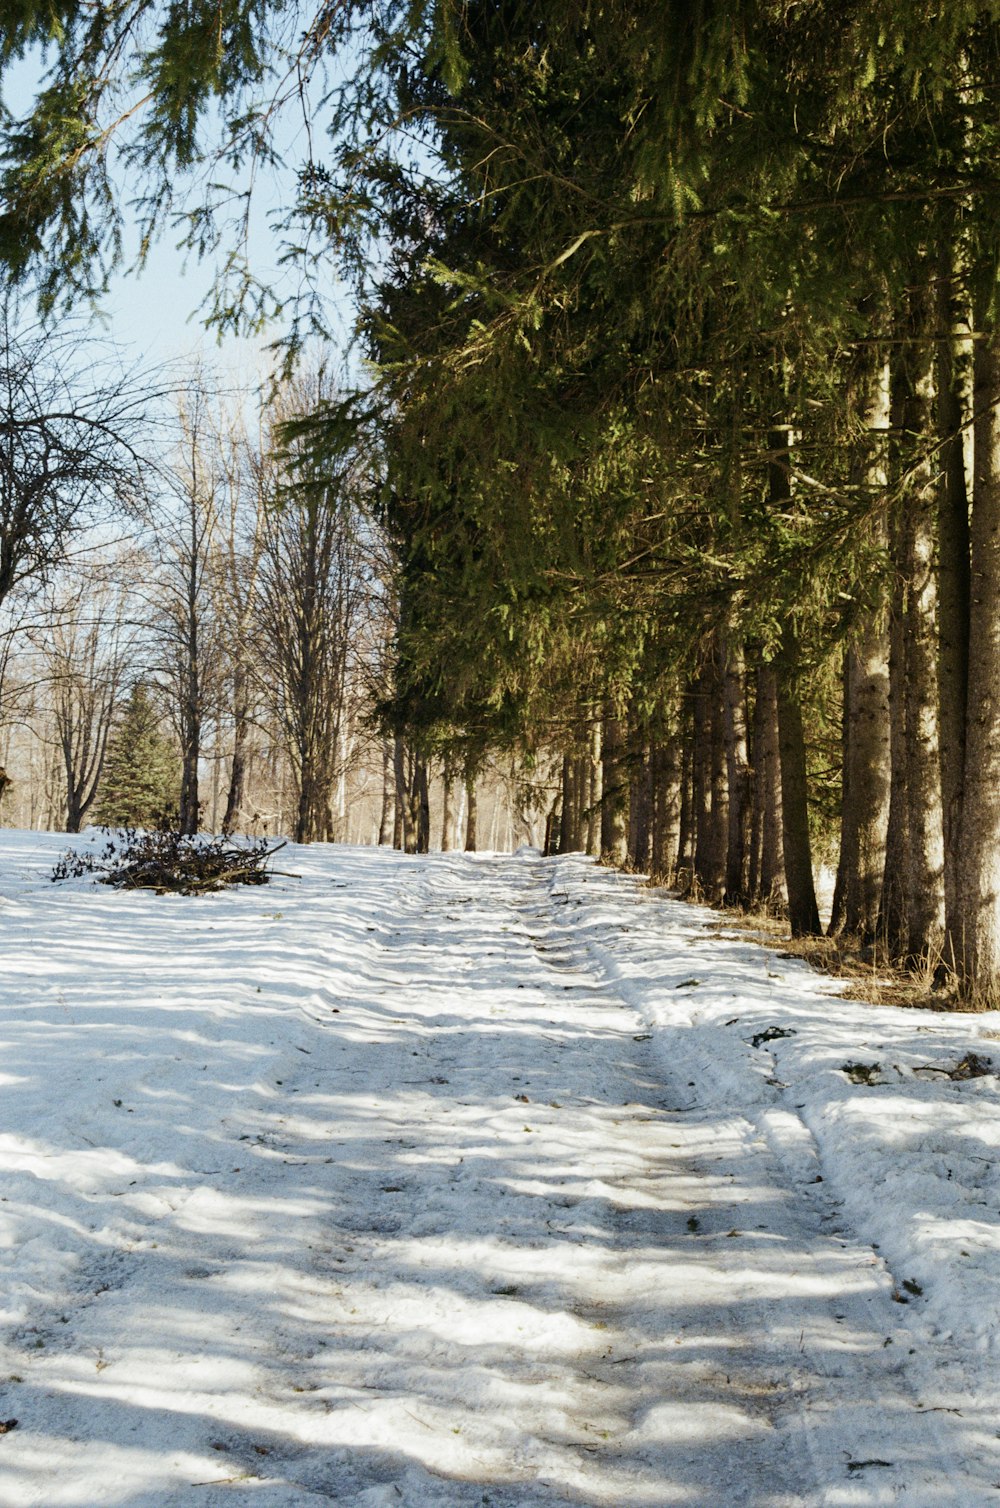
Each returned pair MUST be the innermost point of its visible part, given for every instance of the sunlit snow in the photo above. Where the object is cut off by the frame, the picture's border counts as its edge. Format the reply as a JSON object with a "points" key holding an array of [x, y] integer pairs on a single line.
{"points": [[458, 1180]]}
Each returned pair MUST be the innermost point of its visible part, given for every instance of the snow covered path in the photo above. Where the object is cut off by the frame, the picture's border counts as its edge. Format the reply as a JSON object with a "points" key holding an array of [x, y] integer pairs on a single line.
{"points": [[419, 1182]]}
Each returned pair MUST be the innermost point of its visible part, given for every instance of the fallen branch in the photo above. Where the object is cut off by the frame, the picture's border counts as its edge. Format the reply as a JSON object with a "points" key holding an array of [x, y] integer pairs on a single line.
{"points": [[171, 862]]}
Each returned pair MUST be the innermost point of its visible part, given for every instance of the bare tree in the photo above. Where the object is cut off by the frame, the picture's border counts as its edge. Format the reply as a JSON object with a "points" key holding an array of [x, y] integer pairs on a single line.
{"points": [[245, 486], [312, 593], [68, 445], [87, 644], [187, 656]]}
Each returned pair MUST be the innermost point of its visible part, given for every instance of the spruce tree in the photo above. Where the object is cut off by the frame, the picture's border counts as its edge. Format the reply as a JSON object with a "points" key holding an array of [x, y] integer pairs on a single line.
{"points": [[141, 780]]}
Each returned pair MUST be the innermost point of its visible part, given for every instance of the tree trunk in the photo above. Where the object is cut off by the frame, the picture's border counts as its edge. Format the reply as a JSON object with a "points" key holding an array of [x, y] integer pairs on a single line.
{"points": [[406, 835], [665, 766], [594, 791], [237, 783], [770, 891], [302, 834], [974, 941], [238, 770], [422, 802], [566, 819], [446, 815], [866, 740], [686, 835], [865, 808], [614, 787], [924, 877], [803, 913], [711, 792], [640, 823], [188, 821], [581, 774], [414, 833], [954, 586], [388, 795], [701, 783], [737, 778], [471, 812], [716, 876], [756, 793], [892, 924]]}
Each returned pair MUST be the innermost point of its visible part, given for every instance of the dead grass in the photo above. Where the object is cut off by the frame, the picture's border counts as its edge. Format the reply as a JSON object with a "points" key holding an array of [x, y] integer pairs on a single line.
{"points": [[872, 983]]}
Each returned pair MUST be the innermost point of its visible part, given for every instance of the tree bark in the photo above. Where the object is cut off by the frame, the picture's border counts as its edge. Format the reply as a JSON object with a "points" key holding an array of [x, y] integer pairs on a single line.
{"points": [[665, 762], [924, 878], [866, 740], [190, 804], [711, 806], [892, 924], [686, 839], [954, 584], [614, 788], [701, 781], [235, 795], [446, 815], [594, 791], [767, 864], [803, 912], [412, 772], [640, 824], [974, 941], [581, 774], [422, 802], [566, 818], [770, 890], [407, 837], [737, 887], [715, 876], [846, 855], [865, 817], [471, 811]]}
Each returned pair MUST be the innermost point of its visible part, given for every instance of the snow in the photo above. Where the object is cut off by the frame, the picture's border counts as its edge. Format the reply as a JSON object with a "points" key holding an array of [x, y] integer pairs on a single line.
{"points": [[459, 1180]]}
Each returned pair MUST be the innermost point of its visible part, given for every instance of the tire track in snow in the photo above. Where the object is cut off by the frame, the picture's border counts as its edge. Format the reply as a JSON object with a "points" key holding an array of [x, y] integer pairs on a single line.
{"points": [[609, 1180], [870, 1437]]}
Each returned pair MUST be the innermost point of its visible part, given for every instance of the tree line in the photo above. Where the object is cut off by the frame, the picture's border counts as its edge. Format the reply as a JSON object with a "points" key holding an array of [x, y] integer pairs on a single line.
{"points": [[686, 386], [197, 626], [189, 589]]}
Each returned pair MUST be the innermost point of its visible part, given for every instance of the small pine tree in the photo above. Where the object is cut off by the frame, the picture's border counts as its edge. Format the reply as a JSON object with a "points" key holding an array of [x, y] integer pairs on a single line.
{"points": [[141, 777]]}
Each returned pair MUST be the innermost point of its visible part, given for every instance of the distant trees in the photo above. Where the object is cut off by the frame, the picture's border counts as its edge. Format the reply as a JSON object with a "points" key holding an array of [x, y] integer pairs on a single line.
{"points": [[243, 611], [183, 597], [87, 644], [242, 498], [312, 599]]}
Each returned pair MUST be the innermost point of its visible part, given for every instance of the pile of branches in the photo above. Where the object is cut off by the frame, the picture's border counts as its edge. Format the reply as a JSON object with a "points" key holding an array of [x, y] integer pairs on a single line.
{"points": [[167, 860]]}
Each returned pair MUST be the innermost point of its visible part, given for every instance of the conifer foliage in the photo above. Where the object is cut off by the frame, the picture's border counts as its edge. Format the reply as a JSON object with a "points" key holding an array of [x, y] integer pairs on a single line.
{"points": [[141, 780]]}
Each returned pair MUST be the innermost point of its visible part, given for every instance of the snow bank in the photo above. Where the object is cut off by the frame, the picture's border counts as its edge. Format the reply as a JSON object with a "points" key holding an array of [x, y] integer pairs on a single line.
{"points": [[910, 1154]]}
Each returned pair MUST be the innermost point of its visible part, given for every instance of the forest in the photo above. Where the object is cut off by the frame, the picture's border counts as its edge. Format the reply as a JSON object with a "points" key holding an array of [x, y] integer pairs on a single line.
{"points": [[672, 488]]}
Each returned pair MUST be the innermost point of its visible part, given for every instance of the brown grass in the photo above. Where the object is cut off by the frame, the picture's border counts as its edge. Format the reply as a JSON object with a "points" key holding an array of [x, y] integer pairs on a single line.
{"points": [[841, 957]]}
